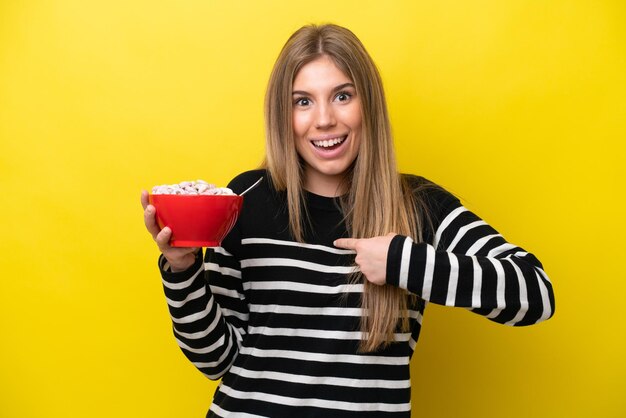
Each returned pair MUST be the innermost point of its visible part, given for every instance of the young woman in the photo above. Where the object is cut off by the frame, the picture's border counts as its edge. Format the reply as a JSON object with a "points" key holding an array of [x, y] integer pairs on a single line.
{"points": [[313, 304]]}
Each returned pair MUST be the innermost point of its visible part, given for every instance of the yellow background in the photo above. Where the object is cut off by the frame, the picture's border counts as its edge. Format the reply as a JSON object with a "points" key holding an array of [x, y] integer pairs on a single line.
{"points": [[516, 106]]}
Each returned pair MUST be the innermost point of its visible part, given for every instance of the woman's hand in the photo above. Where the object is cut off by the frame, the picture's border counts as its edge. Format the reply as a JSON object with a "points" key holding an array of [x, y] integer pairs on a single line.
{"points": [[371, 255], [180, 259]]}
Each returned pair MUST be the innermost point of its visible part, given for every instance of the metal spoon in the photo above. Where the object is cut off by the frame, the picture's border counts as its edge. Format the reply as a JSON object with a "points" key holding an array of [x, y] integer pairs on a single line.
{"points": [[251, 187]]}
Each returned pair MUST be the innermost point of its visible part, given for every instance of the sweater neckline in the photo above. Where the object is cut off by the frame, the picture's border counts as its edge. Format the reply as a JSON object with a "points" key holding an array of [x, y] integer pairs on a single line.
{"points": [[322, 202]]}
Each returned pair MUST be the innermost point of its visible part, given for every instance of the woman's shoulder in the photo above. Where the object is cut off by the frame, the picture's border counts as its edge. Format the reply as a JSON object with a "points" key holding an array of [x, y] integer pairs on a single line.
{"points": [[435, 196], [246, 179]]}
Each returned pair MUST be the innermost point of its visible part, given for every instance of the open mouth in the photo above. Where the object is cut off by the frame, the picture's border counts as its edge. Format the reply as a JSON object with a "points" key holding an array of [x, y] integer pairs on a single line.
{"points": [[329, 144]]}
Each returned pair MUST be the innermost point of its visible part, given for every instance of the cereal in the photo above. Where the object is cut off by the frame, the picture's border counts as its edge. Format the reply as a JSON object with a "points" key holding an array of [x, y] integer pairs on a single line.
{"points": [[197, 187]]}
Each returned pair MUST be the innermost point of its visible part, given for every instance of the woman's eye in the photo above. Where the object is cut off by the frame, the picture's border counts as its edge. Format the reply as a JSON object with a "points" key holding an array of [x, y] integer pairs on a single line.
{"points": [[303, 101], [343, 96]]}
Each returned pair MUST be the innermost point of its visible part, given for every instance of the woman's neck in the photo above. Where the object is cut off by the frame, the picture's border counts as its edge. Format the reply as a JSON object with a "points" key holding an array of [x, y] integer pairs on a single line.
{"points": [[323, 185]]}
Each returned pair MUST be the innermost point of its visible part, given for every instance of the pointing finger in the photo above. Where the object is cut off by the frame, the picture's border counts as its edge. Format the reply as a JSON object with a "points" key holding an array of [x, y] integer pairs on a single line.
{"points": [[347, 243]]}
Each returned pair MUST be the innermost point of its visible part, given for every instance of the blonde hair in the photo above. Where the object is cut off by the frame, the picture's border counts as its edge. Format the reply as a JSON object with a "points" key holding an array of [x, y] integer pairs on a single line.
{"points": [[371, 208]]}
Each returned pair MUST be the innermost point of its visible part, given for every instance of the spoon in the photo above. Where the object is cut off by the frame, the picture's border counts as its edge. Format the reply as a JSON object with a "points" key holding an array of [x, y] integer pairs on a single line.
{"points": [[251, 187]]}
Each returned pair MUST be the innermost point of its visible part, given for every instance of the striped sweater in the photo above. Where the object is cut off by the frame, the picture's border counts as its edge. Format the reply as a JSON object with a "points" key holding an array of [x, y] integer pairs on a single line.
{"points": [[278, 321]]}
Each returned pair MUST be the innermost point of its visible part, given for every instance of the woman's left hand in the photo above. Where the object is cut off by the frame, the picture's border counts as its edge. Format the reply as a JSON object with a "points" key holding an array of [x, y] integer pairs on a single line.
{"points": [[371, 255]]}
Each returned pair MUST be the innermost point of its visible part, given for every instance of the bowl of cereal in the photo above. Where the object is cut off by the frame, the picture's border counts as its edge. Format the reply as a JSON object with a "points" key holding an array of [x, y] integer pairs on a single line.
{"points": [[198, 213]]}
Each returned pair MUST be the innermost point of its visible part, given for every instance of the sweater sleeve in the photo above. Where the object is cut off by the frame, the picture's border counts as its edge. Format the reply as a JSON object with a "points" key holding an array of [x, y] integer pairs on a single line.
{"points": [[469, 264], [208, 310]]}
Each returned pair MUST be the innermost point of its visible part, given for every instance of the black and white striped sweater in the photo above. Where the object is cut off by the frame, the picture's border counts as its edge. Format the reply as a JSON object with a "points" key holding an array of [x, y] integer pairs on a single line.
{"points": [[278, 321]]}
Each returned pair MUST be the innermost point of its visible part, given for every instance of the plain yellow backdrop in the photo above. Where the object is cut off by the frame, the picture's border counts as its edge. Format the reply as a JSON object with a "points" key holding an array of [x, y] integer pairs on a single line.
{"points": [[516, 106]]}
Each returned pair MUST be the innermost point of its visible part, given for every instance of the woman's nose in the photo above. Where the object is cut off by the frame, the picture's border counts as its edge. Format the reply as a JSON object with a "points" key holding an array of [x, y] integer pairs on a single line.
{"points": [[325, 117]]}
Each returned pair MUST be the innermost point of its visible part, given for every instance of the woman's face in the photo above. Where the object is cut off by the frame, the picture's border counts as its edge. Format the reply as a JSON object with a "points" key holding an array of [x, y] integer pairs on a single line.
{"points": [[326, 124]]}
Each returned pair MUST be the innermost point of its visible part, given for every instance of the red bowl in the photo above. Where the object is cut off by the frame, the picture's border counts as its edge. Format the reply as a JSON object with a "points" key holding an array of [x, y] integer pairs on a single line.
{"points": [[197, 220]]}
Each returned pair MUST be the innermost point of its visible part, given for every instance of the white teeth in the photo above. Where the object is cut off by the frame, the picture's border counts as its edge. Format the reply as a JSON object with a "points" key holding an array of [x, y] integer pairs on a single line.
{"points": [[328, 142]]}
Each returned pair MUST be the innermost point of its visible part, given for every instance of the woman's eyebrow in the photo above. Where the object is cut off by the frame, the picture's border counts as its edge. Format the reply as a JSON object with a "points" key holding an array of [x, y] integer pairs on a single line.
{"points": [[335, 89], [343, 86]]}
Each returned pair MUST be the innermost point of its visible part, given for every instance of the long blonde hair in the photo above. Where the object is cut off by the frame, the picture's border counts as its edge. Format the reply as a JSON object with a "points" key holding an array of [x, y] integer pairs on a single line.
{"points": [[371, 207]]}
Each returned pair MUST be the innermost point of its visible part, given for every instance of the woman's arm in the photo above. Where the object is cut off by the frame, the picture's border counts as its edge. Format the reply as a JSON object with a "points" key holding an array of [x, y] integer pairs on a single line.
{"points": [[468, 264], [208, 310]]}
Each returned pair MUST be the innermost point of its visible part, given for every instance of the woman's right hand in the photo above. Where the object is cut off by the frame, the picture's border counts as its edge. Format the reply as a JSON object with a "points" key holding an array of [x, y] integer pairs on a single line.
{"points": [[180, 258]]}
